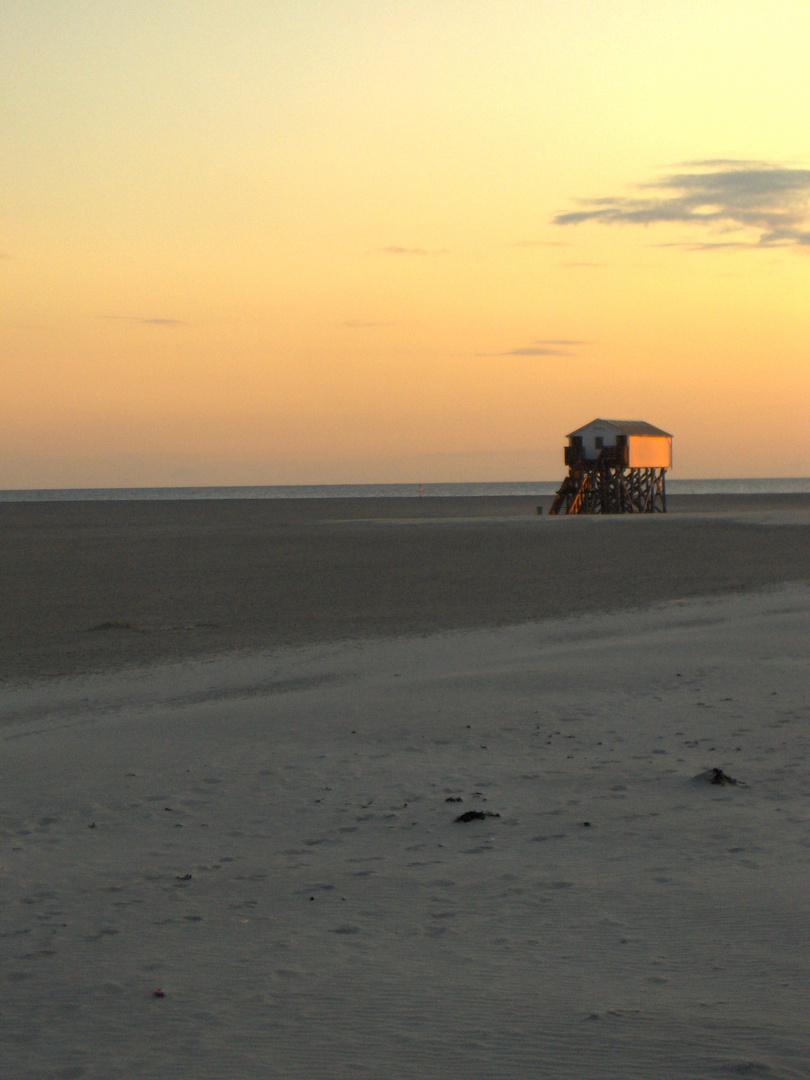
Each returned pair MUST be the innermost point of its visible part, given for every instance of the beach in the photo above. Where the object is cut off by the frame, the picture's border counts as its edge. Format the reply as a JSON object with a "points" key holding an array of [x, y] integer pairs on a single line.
{"points": [[237, 737], [87, 586]]}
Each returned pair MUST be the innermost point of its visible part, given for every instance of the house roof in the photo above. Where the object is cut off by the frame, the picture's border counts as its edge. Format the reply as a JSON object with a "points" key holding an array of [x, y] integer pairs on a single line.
{"points": [[625, 427]]}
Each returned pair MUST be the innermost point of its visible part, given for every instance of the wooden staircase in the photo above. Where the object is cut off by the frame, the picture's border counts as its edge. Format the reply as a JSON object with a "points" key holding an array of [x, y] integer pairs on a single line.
{"points": [[572, 492]]}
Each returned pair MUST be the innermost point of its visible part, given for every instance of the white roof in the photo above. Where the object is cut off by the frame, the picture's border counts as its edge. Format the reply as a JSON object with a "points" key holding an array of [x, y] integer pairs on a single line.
{"points": [[625, 427]]}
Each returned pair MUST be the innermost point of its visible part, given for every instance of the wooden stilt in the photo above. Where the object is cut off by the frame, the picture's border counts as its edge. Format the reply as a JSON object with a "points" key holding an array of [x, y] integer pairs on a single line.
{"points": [[607, 486]]}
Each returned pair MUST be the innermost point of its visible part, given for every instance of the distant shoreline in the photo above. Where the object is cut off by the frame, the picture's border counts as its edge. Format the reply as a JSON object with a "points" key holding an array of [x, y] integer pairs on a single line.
{"points": [[795, 485]]}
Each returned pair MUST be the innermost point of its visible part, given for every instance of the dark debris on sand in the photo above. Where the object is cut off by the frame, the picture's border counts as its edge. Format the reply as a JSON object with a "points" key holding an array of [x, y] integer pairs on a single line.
{"points": [[717, 776], [475, 815]]}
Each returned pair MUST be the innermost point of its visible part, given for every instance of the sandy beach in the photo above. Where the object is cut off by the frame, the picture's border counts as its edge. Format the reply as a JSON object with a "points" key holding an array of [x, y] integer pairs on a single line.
{"points": [[88, 586], [236, 739]]}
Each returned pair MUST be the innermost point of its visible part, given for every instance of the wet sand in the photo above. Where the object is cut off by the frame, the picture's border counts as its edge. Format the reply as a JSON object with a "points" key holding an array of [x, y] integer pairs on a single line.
{"points": [[93, 586]]}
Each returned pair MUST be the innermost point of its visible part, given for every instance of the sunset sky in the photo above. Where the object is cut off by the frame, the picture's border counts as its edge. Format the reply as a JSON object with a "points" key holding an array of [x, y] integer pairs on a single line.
{"points": [[356, 241]]}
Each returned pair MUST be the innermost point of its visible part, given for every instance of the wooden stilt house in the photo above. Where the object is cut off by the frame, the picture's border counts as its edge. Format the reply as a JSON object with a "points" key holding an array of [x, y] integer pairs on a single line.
{"points": [[615, 467]]}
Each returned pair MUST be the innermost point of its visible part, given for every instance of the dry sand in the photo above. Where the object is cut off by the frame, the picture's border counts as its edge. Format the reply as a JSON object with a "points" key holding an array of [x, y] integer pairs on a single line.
{"points": [[265, 834]]}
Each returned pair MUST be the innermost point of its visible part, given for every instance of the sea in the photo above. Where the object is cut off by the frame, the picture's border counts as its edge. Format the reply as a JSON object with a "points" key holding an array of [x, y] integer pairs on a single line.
{"points": [[792, 485]]}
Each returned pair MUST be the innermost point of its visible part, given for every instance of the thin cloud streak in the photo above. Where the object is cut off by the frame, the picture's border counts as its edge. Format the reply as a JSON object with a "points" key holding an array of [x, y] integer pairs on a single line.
{"points": [[396, 249], [560, 341], [711, 245], [533, 350], [723, 195], [145, 322], [541, 348]]}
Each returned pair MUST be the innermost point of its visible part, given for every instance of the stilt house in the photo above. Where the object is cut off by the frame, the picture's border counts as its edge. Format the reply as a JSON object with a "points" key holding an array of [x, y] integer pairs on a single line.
{"points": [[615, 467]]}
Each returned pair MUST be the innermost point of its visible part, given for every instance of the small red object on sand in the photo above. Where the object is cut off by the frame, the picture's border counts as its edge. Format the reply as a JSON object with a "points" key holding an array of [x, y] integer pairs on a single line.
{"points": [[159, 993]]}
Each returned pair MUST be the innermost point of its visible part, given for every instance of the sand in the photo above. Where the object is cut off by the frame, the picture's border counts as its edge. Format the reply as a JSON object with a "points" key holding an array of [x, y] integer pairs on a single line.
{"points": [[262, 824], [88, 586]]}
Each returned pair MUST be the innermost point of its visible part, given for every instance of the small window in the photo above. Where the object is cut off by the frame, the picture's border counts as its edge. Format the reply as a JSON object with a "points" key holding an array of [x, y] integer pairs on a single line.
{"points": [[598, 443]]}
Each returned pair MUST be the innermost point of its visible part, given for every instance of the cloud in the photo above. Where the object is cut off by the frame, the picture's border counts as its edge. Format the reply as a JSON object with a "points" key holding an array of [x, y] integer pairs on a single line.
{"points": [[541, 347], [560, 341], [768, 200], [532, 350], [396, 249], [540, 243], [145, 322]]}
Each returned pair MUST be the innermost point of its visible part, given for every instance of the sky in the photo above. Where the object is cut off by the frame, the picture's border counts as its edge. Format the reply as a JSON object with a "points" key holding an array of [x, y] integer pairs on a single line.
{"points": [[369, 241]]}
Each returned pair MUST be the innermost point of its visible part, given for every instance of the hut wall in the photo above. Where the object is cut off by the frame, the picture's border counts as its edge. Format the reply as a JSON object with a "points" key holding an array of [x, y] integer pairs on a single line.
{"points": [[606, 435], [649, 452]]}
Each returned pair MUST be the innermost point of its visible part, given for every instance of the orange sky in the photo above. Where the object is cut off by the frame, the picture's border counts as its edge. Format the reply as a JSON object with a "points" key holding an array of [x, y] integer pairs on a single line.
{"points": [[325, 242]]}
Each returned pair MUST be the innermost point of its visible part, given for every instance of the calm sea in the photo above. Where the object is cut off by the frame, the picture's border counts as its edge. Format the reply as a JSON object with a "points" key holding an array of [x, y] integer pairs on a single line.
{"points": [[758, 486]]}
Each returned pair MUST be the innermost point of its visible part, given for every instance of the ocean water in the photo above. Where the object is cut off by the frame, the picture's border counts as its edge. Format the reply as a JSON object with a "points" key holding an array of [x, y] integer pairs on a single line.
{"points": [[741, 486]]}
